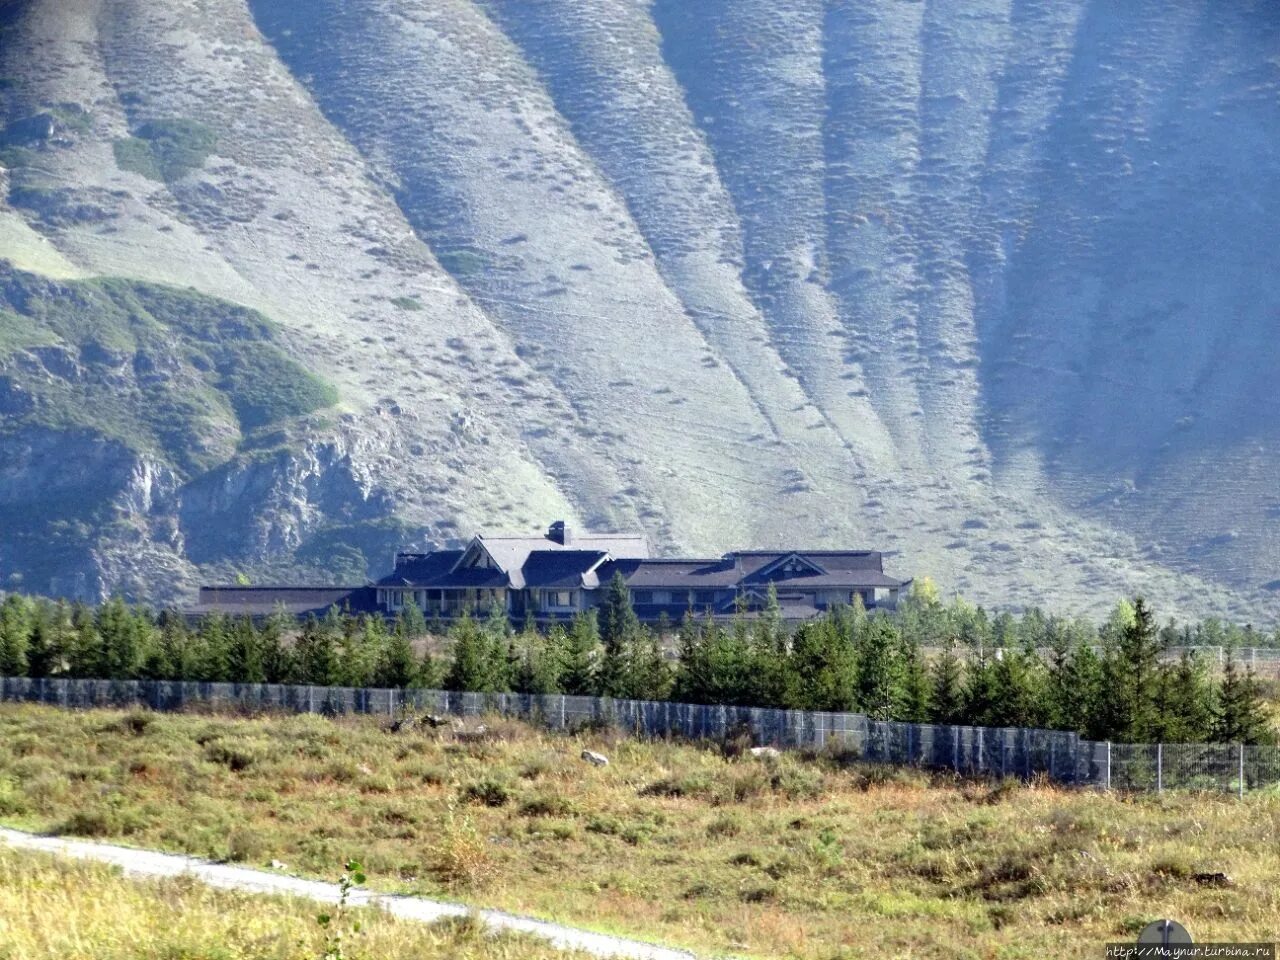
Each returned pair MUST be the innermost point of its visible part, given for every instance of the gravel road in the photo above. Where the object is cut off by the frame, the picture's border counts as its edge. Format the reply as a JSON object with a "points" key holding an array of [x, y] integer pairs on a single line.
{"points": [[153, 864]]}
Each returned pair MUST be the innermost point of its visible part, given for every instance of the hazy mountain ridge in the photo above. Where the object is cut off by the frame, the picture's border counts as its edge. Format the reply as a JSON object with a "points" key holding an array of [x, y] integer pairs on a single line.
{"points": [[885, 273]]}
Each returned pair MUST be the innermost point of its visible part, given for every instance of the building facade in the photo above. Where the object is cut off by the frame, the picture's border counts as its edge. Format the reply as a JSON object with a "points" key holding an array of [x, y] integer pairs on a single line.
{"points": [[563, 572]]}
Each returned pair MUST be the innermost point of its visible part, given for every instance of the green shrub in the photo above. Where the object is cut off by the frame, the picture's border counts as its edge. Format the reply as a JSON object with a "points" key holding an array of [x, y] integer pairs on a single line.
{"points": [[725, 825], [235, 759], [176, 146], [134, 155], [605, 824], [92, 822], [546, 805], [696, 784], [489, 792], [12, 800]]}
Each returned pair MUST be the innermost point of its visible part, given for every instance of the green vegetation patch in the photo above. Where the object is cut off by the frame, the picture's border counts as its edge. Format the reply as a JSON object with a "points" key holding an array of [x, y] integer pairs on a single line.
{"points": [[166, 150], [134, 154], [55, 909], [179, 146], [19, 333], [159, 369]]}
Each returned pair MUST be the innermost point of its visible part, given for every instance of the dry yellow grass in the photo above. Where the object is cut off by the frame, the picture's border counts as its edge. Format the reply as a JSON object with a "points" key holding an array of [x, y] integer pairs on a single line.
{"points": [[67, 910], [672, 842]]}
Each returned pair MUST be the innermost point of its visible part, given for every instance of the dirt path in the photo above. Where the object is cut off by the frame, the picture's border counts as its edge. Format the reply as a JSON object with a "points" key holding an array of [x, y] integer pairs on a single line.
{"points": [[152, 864]]}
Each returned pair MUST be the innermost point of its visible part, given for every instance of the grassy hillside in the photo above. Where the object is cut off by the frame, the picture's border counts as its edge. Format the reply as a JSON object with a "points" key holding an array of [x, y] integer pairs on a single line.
{"points": [[169, 372], [803, 857], [59, 910]]}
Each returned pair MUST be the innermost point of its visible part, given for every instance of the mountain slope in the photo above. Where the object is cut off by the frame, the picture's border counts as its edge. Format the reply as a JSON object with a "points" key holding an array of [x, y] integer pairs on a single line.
{"points": [[978, 286]]}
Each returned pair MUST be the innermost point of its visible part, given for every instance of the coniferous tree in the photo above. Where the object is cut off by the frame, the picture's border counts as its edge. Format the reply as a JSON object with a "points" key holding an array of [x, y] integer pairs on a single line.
{"points": [[397, 666], [649, 677], [1190, 717], [213, 645], [1004, 630], [619, 628], [768, 654], [173, 655], [823, 668], [316, 653], [502, 660], [431, 672], [1241, 715], [1018, 694], [47, 641], [244, 655], [692, 677], [541, 661], [1059, 688], [123, 638], [581, 646], [472, 668], [278, 661], [1088, 679], [84, 652], [879, 670], [1130, 672], [16, 619], [947, 705], [917, 686], [980, 697]]}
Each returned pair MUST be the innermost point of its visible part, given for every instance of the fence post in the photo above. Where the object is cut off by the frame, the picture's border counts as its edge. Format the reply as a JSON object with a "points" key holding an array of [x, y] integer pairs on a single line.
{"points": [[1108, 764], [955, 747], [1242, 770], [391, 704], [1159, 768]]}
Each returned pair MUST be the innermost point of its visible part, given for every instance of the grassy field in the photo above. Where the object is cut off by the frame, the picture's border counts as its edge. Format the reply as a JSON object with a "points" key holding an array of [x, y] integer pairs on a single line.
{"points": [[65, 910], [797, 856]]}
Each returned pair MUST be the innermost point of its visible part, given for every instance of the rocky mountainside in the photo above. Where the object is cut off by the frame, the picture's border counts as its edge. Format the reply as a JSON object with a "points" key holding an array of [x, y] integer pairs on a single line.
{"points": [[990, 286]]}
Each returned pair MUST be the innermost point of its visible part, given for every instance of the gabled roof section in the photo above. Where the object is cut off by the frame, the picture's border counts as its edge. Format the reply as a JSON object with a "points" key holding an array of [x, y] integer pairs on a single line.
{"points": [[420, 569], [510, 553], [565, 569], [779, 566]]}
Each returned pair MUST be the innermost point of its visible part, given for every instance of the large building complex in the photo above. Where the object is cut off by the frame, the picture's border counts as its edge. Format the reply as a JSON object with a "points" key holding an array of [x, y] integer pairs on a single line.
{"points": [[564, 572]]}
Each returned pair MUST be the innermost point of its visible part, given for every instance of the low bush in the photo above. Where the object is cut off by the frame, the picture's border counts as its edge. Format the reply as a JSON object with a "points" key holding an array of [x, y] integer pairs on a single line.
{"points": [[460, 856], [489, 792], [546, 805]]}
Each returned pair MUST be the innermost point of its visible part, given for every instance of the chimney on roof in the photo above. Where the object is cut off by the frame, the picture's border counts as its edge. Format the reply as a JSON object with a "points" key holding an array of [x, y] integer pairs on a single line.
{"points": [[560, 533]]}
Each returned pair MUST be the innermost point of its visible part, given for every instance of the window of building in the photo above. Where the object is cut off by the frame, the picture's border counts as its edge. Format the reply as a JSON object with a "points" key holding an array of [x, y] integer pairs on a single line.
{"points": [[559, 598], [704, 597], [643, 596]]}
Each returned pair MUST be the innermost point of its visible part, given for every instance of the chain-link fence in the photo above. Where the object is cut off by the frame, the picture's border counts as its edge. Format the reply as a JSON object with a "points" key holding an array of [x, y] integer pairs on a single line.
{"points": [[992, 751]]}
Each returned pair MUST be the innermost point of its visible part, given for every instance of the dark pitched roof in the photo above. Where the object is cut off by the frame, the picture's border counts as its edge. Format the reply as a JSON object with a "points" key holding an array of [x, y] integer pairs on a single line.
{"points": [[510, 553], [561, 568], [434, 570], [673, 574]]}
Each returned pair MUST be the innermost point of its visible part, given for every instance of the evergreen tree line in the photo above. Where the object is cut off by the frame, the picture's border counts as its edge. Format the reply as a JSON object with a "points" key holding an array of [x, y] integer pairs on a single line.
{"points": [[1107, 683]]}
